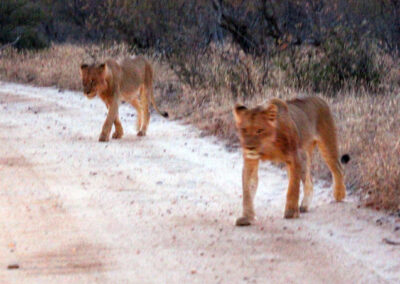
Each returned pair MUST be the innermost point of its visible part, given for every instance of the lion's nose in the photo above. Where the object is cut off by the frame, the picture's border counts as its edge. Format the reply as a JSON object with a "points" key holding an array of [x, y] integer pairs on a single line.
{"points": [[251, 148]]}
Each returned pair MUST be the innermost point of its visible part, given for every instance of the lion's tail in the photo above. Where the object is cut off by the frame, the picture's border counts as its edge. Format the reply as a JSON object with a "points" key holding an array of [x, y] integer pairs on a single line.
{"points": [[162, 113], [151, 95]]}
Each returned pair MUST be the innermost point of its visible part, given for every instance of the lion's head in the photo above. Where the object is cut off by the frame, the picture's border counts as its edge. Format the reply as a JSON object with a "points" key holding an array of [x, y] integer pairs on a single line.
{"points": [[93, 79], [256, 128]]}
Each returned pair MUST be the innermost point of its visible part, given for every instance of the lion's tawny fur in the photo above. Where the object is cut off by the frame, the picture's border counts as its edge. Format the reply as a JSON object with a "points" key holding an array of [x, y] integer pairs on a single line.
{"points": [[287, 131], [129, 79]]}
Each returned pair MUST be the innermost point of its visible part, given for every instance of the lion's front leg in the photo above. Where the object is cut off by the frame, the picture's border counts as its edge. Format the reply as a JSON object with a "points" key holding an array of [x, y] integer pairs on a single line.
{"points": [[249, 184], [292, 196], [111, 116]]}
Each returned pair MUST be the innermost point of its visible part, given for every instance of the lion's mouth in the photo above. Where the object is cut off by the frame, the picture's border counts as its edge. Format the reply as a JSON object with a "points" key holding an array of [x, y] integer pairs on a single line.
{"points": [[251, 154]]}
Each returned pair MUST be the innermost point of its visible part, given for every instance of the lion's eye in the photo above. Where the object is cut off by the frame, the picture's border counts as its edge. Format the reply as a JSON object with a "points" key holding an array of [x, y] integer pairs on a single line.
{"points": [[244, 130], [260, 131]]}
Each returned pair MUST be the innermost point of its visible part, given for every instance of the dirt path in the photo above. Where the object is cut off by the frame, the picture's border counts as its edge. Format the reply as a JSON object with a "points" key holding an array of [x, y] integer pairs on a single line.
{"points": [[160, 209]]}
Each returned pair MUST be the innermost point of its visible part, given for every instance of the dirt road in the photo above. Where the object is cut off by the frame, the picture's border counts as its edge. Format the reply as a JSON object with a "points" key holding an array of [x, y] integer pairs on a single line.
{"points": [[160, 209]]}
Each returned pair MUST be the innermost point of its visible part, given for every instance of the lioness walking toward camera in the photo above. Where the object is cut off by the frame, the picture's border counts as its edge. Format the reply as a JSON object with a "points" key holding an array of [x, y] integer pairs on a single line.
{"points": [[288, 132], [130, 80]]}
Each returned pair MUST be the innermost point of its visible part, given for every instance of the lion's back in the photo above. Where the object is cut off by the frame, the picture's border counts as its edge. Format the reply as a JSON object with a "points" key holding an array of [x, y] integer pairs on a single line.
{"points": [[311, 116]]}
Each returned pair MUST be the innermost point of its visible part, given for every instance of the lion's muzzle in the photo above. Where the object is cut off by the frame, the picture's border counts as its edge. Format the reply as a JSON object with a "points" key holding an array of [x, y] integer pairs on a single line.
{"points": [[251, 153]]}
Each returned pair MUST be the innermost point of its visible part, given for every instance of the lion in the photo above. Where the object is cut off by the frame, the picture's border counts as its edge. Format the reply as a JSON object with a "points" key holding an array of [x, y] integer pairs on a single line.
{"points": [[288, 132], [129, 79]]}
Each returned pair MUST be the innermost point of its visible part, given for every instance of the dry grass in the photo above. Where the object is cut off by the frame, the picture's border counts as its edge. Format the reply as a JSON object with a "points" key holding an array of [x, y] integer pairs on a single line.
{"points": [[370, 130], [368, 124], [56, 66]]}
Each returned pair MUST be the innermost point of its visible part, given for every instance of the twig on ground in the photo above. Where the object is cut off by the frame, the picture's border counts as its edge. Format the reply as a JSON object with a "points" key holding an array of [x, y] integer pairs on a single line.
{"points": [[10, 43], [390, 242]]}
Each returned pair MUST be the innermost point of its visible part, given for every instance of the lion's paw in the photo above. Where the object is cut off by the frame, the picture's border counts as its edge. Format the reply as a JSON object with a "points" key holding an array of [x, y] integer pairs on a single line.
{"points": [[303, 208], [103, 138], [244, 221], [291, 213], [339, 192], [117, 135]]}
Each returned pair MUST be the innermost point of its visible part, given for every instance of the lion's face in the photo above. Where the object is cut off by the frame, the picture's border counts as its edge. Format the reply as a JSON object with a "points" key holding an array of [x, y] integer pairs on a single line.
{"points": [[93, 79], [256, 128]]}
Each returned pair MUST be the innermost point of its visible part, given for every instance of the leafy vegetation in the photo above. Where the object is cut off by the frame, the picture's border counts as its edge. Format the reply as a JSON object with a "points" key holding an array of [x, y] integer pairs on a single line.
{"points": [[19, 24]]}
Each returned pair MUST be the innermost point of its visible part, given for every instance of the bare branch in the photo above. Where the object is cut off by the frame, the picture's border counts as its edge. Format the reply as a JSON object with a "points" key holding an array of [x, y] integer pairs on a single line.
{"points": [[10, 43]]}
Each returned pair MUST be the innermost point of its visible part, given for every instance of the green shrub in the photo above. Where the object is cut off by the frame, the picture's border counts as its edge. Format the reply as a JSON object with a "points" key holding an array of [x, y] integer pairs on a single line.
{"points": [[21, 19], [341, 62]]}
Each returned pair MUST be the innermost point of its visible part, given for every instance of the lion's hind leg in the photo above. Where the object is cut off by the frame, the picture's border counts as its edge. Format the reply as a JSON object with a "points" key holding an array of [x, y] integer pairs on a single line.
{"points": [[294, 168], [144, 106], [328, 148], [145, 118], [135, 103], [307, 180]]}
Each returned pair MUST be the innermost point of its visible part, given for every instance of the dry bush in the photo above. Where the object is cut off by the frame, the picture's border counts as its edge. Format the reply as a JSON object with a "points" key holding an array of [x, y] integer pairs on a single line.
{"points": [[369, 129], [56, 66], [368, 124], [225, 70], [335, 66]]}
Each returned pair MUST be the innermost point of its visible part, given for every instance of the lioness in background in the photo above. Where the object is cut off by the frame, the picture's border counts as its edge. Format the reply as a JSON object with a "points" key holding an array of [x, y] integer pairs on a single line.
{"points": [[130, 80], [288, 132]]}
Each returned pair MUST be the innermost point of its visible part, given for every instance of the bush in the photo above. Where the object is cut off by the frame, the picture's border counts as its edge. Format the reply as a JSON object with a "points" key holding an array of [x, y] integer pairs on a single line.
{"points": [[341, 62], [221, 69], [20, 19]]}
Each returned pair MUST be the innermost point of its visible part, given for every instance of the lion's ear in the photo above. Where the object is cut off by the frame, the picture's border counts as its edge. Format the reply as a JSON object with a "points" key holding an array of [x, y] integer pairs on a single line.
{"points": [[238, 111], [272, 113], [84, 68], [104, 70]]}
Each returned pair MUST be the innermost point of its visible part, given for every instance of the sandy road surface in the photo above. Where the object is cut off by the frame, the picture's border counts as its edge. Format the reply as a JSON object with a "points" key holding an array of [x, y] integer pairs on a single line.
{"points": [[160, 209]]}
